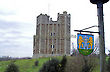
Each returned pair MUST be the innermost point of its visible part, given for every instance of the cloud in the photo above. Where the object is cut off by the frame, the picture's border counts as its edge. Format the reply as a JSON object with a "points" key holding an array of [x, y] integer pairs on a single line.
{"points": [[5, 13], [16, 39], [7, 25]]}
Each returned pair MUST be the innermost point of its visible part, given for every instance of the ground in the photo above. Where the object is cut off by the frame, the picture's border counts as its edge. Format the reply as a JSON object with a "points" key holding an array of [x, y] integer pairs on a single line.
{"points": [[27, 65]]}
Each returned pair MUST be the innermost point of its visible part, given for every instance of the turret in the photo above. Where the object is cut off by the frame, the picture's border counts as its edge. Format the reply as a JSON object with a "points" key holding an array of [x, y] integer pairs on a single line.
{"points": [[43, 19]]}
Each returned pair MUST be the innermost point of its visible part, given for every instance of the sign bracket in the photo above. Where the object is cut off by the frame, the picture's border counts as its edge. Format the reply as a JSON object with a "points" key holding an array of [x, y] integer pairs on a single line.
{"points": [[86, 29]]}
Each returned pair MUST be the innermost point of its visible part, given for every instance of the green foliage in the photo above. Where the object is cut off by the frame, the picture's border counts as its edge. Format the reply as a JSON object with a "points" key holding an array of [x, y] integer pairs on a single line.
{"points": [[51, 66], [12, 68], [74, 64], [63, 64], [86, 67], [36, 63], [89, 63], [80, 64], [26, 65], [108, 64]]}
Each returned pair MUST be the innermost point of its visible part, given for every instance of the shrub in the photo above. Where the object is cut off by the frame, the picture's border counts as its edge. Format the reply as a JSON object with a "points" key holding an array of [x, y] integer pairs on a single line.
{"points": [[86, 67], [74, 64], [80, 64], [12, 68], [89, 64], [36, 63], [108, 64], [51, 66], [63, 63]]}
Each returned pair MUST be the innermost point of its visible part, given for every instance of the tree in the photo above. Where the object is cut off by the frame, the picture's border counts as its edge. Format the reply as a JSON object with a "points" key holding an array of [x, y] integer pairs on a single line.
{"points": [[52, 65], [12, 68], [80, 64], [108, 63], [63, 64], [36, 63]]}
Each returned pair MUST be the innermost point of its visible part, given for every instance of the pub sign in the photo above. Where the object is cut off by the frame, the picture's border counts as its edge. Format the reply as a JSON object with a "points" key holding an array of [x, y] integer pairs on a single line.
{"points": [[85, 43]]}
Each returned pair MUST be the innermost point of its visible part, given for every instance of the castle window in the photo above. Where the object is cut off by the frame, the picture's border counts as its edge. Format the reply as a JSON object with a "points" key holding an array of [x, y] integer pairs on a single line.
{"points": [[34, 40], [52, 52], [50, 34], [52, 46], [54, 34]]}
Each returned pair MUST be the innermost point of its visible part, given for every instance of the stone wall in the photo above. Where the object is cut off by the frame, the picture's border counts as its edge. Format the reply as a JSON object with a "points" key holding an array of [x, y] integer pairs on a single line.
{"points": [[52, 37]]}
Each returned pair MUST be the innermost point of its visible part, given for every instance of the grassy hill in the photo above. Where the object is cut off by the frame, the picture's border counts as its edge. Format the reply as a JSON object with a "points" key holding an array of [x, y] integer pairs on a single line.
{"points": [[27, 65]]}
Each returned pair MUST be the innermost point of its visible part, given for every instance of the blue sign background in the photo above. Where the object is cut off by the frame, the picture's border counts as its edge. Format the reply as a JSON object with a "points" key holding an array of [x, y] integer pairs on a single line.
{"points": [[85, 41]]}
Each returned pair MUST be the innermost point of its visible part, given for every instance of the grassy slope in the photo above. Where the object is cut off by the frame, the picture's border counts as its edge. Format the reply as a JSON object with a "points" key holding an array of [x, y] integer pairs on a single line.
{"points": [[27, 65]]}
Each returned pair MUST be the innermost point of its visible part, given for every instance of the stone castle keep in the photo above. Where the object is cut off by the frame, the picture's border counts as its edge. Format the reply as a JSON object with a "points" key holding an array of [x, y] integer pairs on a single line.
{"points": [[52, 37]]}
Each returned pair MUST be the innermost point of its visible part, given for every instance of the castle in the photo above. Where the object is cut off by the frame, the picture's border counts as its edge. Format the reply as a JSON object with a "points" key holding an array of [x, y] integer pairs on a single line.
{"points": [[52, 37]]}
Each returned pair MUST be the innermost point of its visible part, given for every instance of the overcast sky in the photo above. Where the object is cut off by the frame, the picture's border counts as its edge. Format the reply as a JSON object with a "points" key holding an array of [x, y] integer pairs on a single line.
{"points": [[18, 21]]}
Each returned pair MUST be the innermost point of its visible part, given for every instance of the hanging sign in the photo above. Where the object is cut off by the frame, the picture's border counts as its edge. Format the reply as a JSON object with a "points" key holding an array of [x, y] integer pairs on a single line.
{"points": [[85, 43]]}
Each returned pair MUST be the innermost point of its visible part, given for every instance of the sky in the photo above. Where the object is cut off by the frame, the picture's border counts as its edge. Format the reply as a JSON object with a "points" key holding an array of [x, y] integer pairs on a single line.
{"points": [[18, 22]]}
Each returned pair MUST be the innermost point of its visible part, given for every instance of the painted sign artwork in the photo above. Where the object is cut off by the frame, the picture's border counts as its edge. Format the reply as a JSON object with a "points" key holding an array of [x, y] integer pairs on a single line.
{"points": [[85, 43]]}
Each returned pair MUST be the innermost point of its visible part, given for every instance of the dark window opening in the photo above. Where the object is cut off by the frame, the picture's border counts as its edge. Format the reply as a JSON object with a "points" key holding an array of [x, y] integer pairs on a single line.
{"points": [[51, 34], [52, 52], [52, 46]]}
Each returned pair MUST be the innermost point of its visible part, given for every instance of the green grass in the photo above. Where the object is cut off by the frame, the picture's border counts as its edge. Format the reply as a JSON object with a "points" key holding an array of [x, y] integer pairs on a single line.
{"points": [[25, 65], [3, 65]]}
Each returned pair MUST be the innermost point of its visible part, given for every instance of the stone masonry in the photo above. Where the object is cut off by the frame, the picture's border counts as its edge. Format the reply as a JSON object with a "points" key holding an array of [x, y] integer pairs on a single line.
{"points": [[52, 37]]}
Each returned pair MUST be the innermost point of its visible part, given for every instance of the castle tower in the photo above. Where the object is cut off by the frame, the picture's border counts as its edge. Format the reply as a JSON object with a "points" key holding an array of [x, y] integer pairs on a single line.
{"points": [[52, 37]]}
